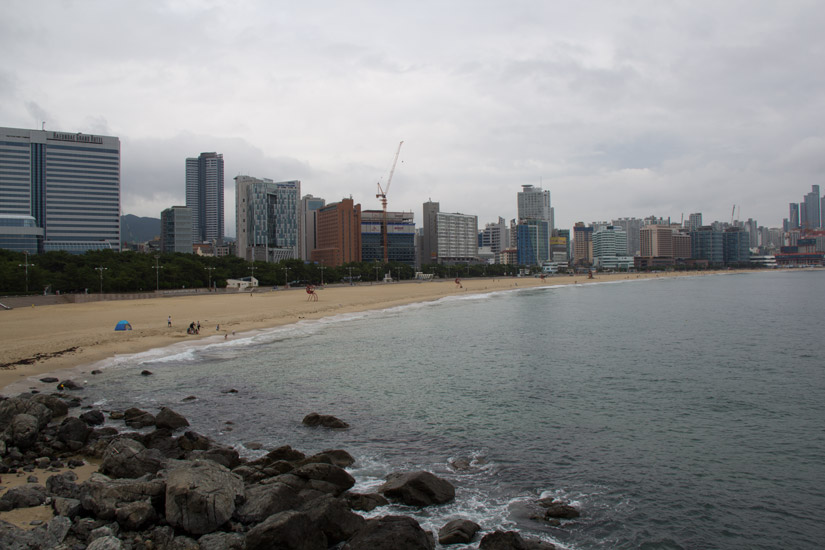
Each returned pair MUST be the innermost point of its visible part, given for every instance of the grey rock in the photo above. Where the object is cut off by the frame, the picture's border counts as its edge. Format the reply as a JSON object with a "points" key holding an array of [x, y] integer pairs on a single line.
{"points": [[193, 441], [23, 430], [73, 432], [169, 419], [137, 418], [24, 496], [510, 540], [110, 530], [163, 440], [63, 485], [101, 496], [93, 418], [106, 543], [136, 516], [201, 496], [125, 457], [325, 477], [334, 518], [417, 488], [222, 541], [458, 531], [49, 379], [225, 456], [69, 385], [285, 453], [264, 500], [391, 533], [56, 531], [324, 420], [68, 507], [336, 457], [558, 509], [289, 530], [15, 538], [365, 502], [24, 405], [55, 404]]}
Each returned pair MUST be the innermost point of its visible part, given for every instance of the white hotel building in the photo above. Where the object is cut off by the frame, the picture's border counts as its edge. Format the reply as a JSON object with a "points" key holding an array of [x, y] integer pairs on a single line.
{"points": [[68, 182]]}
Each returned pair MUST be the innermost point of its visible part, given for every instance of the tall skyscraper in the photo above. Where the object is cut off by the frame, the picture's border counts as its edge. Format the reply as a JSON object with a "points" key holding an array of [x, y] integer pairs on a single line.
{"points": [[400, 237], [534, 204], [632, 226], [204, 195], [811, 216], [267, 219], [582, 244], [793, 219], [694, 221], [656, 241], [429, 237], [176, 230], [309, 209], [68, 182], [610, 248]]}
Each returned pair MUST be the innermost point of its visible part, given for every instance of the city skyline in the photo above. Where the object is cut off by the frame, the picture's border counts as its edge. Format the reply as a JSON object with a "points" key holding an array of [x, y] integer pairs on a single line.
{"points": [[619, 112]]}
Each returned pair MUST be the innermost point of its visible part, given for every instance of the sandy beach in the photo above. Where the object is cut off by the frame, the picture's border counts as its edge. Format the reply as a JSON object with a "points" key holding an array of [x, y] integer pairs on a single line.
{"points": [[44, 339]]}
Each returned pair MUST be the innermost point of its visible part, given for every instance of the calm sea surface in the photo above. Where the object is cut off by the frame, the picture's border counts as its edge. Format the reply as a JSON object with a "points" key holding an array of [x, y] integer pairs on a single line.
{"points": [[676, 413]]}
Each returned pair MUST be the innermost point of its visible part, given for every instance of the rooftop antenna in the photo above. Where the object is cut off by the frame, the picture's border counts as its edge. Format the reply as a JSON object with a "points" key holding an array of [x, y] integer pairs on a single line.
{"points": [[43, 125]]}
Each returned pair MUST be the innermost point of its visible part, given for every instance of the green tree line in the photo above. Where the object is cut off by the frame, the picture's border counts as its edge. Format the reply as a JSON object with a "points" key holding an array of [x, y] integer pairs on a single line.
{"points": [[135, 272]]}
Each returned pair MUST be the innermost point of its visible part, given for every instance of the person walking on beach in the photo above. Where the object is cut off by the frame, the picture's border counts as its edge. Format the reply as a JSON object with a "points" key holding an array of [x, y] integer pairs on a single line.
{"points": [[169, 321]]}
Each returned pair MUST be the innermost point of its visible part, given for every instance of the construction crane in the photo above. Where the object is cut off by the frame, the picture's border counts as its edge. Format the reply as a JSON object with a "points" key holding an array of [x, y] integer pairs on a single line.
{"points": [[382, 195], [732, 213]]}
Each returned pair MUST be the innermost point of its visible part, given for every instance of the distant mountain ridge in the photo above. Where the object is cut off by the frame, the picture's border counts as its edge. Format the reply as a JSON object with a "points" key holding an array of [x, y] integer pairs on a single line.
{"points": [[134, 229]]}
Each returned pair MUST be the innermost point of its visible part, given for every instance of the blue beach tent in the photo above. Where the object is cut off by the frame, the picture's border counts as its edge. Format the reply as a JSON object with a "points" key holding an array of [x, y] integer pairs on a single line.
{"points": [[123, 325]]}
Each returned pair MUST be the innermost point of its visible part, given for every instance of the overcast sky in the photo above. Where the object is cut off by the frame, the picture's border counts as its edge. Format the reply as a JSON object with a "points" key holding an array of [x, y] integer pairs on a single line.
{"points": [[618, 108]]}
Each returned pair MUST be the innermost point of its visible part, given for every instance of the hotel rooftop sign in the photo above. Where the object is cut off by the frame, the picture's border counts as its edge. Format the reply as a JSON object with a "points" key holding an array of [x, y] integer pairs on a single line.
{"points": [[77, 138]]}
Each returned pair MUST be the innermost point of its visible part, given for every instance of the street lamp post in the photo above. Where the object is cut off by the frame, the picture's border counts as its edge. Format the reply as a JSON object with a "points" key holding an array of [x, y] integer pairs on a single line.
{"points": [[25, 265], [322, 268], [350, 276], [209, 284], [101, 270], [286, 276], [376, 272], [157, 269]]}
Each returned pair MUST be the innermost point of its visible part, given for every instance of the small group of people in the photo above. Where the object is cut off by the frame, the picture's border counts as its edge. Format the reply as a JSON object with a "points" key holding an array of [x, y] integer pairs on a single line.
{"points": [[194, 328]]}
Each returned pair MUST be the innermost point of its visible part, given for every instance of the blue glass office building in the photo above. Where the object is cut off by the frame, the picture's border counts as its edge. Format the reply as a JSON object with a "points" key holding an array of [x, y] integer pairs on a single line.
{"points": [[68, 182]]}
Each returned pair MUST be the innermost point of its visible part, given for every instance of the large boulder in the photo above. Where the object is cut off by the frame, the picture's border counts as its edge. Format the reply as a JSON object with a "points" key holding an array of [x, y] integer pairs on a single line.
{"points": [[163, 440], [23, 430], [11, 407], [556, 509], [108, 542], [510, 540], [222, 541], [55, 404], [170, 420], [458, 531], [15, 538], [288, 530], [264, 500], [336, 457], [102, 496], [417, 488], [125, 457], [324, 420], [93, 418], [24, 496], [201, 496], [137, 418], [285, 453], [73, 432], [365, 502], [225, 456], [63, 485], [334, 518], [136, 516], [318, 478], [391, 533]]}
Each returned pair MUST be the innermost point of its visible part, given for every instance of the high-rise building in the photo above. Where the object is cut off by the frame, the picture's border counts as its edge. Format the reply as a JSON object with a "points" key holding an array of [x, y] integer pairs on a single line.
{"points": [[694, 221], [534, 204], [448, 238], [429, 237], [656, 241], [793, 219], [204, 195], [338, 234], [176, 229], [706, 243], [400, 237], [495, 236], [309, 207], [681, 245], [610, 248], [533, 241], [631, 226], [267, 219], [810, 209], [735, 246], [68, 182], [582, 244]]}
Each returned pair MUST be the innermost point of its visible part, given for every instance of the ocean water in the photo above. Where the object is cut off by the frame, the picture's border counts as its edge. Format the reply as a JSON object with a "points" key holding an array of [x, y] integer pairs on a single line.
{"points": [[675, 413]]}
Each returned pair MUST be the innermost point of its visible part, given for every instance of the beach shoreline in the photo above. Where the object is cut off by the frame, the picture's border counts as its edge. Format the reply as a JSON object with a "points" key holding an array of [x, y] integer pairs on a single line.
{"points": [[52, 338]]}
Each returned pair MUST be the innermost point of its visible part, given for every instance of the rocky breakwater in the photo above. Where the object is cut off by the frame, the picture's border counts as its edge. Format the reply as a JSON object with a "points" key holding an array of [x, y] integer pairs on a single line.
{"points": [[173, 489]]}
